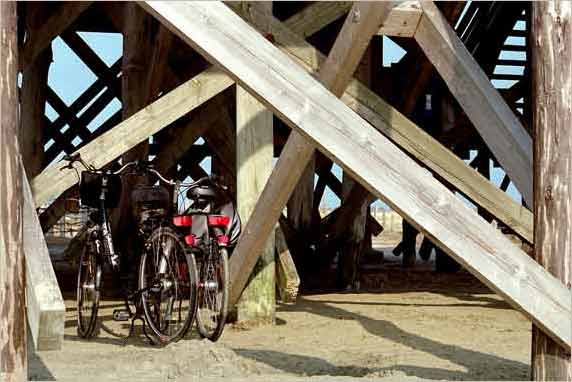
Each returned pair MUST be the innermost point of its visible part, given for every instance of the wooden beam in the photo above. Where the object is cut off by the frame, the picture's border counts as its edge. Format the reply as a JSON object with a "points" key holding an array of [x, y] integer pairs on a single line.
{"points": [[305, 105], [552, 96], [109, 146], [355, 242], [53, 27], [402, 20], [45, 305], [91, 60], [499, 127], [51, 215], [287, 279], [33, 101], [13, 360], [335, 74], [177, 139], [254, 153], [411, 138]]}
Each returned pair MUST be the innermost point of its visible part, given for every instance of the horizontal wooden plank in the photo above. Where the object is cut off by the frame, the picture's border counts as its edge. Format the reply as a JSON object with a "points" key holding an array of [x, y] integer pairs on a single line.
{"points": [[52, 182], [305, 105]]}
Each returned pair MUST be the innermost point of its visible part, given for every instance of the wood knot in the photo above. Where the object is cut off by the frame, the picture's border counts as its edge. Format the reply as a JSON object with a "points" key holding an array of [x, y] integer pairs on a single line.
{"points": [[568, 285], [548, 193]]}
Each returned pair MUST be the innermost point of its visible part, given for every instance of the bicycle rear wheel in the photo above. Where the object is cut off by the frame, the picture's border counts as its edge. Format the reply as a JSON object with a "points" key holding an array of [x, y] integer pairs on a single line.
{"points": [[168, 280], [213, 294], [88, 290]]}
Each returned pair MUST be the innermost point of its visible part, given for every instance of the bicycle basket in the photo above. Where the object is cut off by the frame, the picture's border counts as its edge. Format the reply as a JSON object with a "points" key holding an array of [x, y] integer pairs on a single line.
{"points": [[90, 189]]}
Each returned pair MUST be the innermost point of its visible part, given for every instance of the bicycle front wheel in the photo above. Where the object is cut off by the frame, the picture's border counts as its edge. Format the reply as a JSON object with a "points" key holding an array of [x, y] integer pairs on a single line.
{"points": [[213, 294], [168, 281], [88, 289]]}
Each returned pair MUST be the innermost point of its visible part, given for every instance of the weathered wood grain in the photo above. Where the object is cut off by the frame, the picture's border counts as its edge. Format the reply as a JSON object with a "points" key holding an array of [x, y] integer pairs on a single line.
{"points": [[305, 105], [13, 360], [254, 153], [45, 305], [287, 279], [551, 40]]}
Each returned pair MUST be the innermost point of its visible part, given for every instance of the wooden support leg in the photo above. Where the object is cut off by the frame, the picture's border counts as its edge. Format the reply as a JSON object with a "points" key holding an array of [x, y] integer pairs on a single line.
{"points": [[552, 118], [355, 227], [13, 362], [301, 204], [287, 279], [137, 54], [254, 164], [33, 100]]}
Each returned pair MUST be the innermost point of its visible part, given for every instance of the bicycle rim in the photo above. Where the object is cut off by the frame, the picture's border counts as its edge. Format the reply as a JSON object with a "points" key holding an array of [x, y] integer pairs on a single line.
{"points": [[168, 276], [87, 293], [213, 295]]}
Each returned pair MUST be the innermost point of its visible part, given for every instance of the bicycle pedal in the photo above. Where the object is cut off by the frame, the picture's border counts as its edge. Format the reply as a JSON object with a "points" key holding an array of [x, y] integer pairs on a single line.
{"points": [[121, 315]]}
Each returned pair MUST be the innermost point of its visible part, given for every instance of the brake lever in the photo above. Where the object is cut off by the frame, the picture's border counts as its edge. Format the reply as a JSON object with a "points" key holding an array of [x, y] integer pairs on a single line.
{"points": [[67, 166]]}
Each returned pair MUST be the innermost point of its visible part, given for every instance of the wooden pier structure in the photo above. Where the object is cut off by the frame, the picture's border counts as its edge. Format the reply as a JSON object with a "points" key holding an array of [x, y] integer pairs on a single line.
{"points": [[303, 82]]}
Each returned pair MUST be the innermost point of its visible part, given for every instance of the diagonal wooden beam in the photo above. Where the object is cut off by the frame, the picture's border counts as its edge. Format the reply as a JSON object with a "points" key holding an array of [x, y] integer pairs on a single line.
{"points": [[91, 60], [305, 105], [52, 182], [497, 124], [54, 26]]}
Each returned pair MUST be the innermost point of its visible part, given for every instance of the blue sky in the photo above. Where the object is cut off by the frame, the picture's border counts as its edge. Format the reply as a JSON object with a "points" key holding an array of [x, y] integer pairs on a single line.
{"points": [[69, 78]]}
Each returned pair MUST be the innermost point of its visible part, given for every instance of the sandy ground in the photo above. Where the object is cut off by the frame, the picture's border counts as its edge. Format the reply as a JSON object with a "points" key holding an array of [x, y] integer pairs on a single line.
{"points": [[402, 325]]}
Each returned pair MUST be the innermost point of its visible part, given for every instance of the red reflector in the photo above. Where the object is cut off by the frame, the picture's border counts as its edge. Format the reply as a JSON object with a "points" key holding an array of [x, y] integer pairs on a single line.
{"points": [[222, 239], [190, 240], [183, 221], [218, 220]]}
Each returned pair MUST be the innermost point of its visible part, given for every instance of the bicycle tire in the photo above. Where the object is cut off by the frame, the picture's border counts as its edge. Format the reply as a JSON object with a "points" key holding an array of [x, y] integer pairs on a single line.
{"points": [[176, 278], [204, 309], [88, 285]]}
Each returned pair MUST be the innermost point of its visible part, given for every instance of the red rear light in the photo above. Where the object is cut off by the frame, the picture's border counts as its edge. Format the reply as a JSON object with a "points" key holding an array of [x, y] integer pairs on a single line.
{"points": [[190, 240], [183, 221], [222, 240], [218, 220]]}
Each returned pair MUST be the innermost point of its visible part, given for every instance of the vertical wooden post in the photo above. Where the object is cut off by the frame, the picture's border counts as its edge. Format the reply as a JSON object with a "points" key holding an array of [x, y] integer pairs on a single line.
{"points": [[351, 252], [254, 152], [135, 93], [13, 361], [551, 40], [33, 97], [301, 203]]}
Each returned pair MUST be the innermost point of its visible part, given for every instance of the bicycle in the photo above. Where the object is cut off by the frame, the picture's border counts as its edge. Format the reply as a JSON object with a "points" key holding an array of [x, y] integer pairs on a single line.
{"points": [[215, 229], [167, 287]]}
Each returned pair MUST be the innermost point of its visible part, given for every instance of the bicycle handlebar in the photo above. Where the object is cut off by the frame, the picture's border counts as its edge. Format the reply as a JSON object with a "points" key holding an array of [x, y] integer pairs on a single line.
{"points": [[142, 166]]}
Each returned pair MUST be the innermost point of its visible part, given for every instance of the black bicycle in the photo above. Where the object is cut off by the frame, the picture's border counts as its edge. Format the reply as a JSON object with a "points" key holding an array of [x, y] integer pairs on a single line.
{"points": [[167, 287], [215, 229]]}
